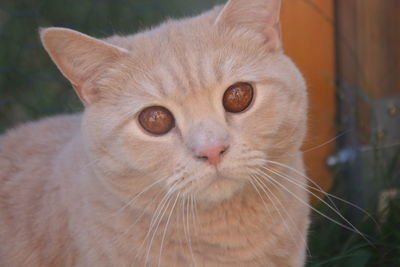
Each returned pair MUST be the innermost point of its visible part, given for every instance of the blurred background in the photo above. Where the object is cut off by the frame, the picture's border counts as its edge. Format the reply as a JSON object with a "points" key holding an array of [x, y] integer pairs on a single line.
{"points": [[349, 52]]}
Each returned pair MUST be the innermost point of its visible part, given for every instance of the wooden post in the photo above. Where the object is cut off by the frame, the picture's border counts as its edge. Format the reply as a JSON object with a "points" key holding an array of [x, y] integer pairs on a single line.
{"points": [[308, 36], [368, 71]]}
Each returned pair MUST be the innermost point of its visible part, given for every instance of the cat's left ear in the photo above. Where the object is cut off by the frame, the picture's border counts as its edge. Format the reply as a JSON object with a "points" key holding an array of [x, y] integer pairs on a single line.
{"points": [[260, 16], [80, 58]]}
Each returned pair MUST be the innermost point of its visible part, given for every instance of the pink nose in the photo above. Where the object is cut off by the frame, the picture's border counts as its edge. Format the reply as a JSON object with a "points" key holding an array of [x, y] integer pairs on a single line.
{"points": [[212, 154]]}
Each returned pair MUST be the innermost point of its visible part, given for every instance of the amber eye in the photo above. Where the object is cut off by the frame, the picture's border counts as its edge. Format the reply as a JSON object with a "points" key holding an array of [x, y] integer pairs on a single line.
{"points": [[237, 97], [156, 120]]}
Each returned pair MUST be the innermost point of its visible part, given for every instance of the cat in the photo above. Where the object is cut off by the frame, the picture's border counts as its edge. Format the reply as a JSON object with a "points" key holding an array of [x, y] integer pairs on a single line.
{"points": [[187, 152]]}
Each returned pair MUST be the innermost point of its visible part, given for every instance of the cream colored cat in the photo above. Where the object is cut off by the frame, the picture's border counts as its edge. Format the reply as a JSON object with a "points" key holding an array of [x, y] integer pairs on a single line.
{"points": [[184, 155]]}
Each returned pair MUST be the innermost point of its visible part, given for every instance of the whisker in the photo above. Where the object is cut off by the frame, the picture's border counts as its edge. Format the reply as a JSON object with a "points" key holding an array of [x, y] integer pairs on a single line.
{"points": [[118, 239], [323, 201], [264, 187], [262, 199], [329, 196], [157, 224], [159, 209], [131, 201], [352, 228], [184, 220], [188, 232], [303, 186], [269, 212], [166, 228], [154, 218], [193, 209], [196, 212], [325, 143]]}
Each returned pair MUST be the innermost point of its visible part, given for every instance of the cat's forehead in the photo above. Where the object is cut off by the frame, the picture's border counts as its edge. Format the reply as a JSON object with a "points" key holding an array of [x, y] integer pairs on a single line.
{"points": [[179, 59], [188, 58]]}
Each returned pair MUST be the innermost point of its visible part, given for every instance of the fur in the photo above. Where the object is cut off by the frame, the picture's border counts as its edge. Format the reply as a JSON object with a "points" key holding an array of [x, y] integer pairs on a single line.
{"points": [[95, 189]]}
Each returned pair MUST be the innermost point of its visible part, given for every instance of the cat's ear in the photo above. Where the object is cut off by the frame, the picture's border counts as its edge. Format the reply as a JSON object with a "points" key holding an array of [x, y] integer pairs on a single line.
{"points": [[80, 58], [261, 16]]}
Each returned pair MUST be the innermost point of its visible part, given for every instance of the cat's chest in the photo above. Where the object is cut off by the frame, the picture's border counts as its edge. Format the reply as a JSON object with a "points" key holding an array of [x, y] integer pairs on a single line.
{"points": [[227, 236]]}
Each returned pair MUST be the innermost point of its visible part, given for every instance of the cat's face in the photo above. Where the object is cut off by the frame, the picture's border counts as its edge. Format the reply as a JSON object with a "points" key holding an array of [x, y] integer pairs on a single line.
{"points": [[197, 104]]}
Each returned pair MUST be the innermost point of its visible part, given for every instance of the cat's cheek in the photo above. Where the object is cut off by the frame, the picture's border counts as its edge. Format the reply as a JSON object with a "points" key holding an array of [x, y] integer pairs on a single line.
{"points": [[257, 125], [147, 153]]}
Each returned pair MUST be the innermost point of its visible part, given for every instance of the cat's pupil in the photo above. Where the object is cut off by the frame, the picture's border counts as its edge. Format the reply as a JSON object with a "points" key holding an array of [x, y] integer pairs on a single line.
{"points": [[238, 97], [156, 120]]}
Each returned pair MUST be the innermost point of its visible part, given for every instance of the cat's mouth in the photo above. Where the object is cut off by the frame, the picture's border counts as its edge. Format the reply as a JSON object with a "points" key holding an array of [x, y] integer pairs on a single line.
{"points": [[216, 186]]}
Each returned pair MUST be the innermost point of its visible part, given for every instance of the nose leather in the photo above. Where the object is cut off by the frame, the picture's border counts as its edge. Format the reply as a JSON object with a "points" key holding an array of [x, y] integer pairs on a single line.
{"points": [[212, 154]]}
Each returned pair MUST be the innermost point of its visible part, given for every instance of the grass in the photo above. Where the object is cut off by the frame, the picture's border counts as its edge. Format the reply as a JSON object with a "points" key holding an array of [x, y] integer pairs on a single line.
{"points": [[332, 245]]}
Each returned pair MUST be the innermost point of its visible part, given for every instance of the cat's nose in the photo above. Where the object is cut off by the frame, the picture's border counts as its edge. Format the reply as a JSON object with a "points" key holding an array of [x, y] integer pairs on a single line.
{"points": [[212, 154]]}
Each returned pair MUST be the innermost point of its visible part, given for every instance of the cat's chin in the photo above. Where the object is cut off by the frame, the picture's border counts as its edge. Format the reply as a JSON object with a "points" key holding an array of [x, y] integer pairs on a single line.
{"points": [[220, 189]]}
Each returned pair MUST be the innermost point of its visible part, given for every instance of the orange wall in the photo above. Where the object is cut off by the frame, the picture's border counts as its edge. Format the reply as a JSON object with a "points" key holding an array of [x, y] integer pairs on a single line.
{"points": [[308, 36]]}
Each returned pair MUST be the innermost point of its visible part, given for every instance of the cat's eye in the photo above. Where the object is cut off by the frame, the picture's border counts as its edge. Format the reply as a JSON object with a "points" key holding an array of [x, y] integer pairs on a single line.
{"points": [[156, 120], [238, 97]]}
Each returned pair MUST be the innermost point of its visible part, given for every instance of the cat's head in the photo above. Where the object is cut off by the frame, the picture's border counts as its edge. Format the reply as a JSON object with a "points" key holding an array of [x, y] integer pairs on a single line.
{"points": [[193, 106]]}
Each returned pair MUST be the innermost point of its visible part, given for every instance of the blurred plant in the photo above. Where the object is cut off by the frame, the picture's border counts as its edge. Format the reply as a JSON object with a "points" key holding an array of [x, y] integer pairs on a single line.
{"points": [[332, 245]]}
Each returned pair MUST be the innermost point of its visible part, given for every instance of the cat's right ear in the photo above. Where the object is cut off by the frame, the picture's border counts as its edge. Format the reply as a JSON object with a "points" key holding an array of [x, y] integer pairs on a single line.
{"points": [[80, 58]]}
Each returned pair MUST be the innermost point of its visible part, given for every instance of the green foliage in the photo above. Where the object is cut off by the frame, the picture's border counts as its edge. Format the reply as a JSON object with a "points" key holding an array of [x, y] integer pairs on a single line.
{"points": [[332, 245]]}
